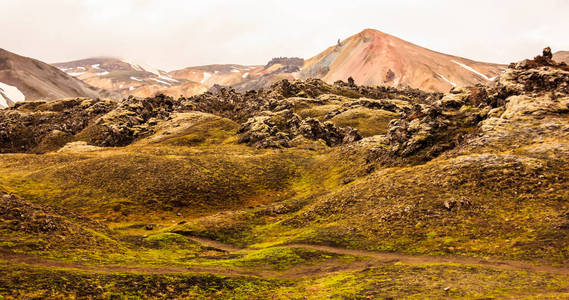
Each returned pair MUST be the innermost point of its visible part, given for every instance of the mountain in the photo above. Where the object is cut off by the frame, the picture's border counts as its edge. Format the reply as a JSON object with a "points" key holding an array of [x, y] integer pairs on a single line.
{"points": [[561, 56], [23, 78], [215, 74], [126, 77], [241, 77], [372, 57]]}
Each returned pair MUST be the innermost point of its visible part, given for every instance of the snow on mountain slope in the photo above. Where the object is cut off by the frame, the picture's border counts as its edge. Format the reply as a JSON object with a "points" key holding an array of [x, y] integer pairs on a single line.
{"points": [[25, 78], [9, 95], [123, 76]]}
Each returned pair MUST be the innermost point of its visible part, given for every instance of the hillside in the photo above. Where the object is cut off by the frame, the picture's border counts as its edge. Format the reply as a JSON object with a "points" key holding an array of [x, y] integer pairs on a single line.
{"points": [[23, 78], [243, 78], [302, 190], [129, 78], [372, 57], [561, 56]]}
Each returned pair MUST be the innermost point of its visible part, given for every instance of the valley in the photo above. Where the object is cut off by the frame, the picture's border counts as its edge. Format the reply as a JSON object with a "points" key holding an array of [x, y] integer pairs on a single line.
{"points": [[306, 189]]}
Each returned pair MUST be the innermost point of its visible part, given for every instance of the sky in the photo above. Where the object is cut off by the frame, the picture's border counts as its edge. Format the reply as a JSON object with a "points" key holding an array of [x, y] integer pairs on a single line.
{"points": [[173, 34]]}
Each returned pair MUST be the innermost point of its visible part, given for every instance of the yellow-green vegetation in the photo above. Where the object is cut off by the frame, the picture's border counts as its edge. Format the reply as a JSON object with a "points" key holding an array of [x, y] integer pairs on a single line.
{"points": [[477, 208], [127, 182], [279, 259], [389, 281], [369, 122]]}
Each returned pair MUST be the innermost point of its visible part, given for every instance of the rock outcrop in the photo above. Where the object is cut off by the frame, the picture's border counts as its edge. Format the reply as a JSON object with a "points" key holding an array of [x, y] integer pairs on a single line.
{"points": [[531, 87], [41, 126]]}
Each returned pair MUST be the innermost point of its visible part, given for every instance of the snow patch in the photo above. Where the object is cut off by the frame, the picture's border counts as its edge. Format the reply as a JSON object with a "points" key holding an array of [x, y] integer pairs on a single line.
{"points": [[206, 76], [96, 66], [445, 79], [216, 72], [10, 92], [160, 81], [245, 75], [167, 78], [75, 74], [131, 88], [82, 68], [234, 71], [102, 73], [471, 69], [142, 67], [134, 78]]}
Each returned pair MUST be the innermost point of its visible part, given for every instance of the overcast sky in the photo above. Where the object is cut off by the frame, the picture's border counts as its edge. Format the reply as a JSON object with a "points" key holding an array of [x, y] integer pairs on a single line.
{"points": [[172, 34]]}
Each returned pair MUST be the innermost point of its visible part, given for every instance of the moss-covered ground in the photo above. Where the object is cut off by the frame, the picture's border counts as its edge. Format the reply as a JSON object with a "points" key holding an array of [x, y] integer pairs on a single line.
{"points": [[130, 222]]}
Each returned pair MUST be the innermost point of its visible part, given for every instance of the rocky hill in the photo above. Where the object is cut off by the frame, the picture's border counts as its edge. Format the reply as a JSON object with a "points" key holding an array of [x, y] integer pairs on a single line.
{"points": [[23, 78], [302, 190]]}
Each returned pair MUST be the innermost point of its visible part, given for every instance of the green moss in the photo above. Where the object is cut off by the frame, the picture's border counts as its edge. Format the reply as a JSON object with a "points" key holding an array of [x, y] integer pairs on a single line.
{"points": [[168, 240], [50, 283], [207, 133], [281, 258], [369, 122]]}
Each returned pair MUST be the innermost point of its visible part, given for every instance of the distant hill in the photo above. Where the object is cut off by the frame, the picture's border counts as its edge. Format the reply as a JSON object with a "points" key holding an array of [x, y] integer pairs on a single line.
{"points": [[127, 78], [561, 56], [23, 78]]}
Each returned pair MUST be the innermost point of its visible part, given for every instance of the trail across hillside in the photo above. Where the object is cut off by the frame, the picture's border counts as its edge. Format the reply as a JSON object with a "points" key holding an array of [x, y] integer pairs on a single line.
{"points": [[371, 259], [386, 258]]}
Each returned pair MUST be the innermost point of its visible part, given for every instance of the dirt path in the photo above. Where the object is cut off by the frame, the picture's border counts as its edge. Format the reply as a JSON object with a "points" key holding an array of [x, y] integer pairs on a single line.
{"points": [[386, 258], [426, 259], [214, 244], [374, 259], [14, 258]]}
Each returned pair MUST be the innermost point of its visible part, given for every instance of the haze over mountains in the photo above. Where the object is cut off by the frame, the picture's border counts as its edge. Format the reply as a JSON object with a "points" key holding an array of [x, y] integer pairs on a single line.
{"points": [[370, 57]]}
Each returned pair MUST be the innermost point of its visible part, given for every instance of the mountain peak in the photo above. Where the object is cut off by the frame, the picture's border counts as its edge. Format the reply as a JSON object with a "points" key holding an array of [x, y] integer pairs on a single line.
{"points": [[372, 57]]}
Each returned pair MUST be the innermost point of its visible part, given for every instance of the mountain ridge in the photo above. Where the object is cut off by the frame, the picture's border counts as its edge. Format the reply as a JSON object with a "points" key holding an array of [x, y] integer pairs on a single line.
{"points": [[370, 57], [38, 80]]}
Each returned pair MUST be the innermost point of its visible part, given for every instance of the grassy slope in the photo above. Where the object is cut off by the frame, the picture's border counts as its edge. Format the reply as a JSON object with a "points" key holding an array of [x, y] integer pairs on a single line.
{"points": [[505, 201]]}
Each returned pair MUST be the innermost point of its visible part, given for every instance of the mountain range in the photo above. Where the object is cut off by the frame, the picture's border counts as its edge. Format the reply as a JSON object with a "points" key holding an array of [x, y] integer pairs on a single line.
{"points": [[23, 78], [370, 57]]}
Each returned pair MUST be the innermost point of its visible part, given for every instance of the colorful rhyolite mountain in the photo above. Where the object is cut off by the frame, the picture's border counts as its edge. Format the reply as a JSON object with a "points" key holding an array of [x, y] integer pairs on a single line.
{"points": [[370, 57], [23, 78], [561, 56], [127, 78]]}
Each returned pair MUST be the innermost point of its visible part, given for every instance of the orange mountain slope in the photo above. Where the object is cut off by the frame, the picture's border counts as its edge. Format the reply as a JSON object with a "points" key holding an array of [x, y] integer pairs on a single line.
{"points": [[372, 57]]}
